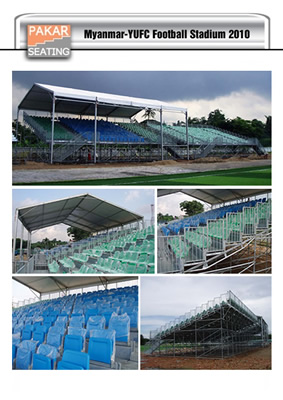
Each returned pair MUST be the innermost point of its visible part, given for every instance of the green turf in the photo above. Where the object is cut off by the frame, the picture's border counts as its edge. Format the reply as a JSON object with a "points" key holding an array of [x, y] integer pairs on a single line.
{"points": [[254, 176]]}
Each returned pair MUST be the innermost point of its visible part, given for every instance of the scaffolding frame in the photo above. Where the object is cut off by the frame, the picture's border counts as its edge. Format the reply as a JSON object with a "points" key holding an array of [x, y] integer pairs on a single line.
{"points": [[221, 328]]}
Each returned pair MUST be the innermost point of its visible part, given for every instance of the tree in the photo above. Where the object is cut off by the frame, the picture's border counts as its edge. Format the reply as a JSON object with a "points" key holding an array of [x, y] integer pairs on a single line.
{"points": [[191, 207], [216, 118], [143, 340], [149, 113], [77, 233], [164, 218]]}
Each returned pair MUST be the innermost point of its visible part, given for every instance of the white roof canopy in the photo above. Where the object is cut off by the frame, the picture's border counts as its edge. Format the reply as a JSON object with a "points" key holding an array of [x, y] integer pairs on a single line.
{"points": [[83, 211], [82, 102], [216, 196], [52, 284]]}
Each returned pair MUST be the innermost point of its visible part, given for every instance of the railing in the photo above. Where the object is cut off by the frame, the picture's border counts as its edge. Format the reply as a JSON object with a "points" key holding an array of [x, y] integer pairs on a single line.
{"points": [[199, 312]]}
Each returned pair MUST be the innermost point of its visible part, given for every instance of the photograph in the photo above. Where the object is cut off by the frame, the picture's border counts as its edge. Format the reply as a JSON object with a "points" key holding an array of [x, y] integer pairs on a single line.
{"points": [[75, 323], [142, 127], [211, 231], [192, 323], [65, 231]]}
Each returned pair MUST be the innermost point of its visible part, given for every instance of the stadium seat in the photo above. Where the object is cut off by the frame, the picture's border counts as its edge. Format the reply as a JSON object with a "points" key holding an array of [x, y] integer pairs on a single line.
{"points": [[41, 362], [48, 351], [74, 360], [121, 325], [101, 345], [23, 358], [73, 342]]}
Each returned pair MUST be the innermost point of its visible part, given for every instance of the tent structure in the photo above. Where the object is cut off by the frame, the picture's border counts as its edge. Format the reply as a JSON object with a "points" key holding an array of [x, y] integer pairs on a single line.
{"points": [[51, 284], [84, 211], [58, 99], [216, 196]]}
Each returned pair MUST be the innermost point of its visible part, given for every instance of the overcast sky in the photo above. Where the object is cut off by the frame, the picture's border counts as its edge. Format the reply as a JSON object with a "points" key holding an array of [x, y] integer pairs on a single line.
{"points": [[136, 200], [166, 298], [246, 94]]}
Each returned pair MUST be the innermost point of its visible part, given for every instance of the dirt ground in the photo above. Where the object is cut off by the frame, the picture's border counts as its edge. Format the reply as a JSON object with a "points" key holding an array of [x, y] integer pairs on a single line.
{"points": [[40, 172], [207, 160], [257, 359]]}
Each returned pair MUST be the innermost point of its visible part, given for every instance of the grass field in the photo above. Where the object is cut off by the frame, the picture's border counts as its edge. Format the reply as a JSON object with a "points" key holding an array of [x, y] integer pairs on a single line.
{"points": [[254, 176]]}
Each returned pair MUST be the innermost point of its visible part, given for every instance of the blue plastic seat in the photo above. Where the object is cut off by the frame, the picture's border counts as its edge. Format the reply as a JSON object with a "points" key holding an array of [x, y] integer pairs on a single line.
{"points": [[38, 336], [48, 351], [54, 339], [26, 334], [121, 324], [95, 322], [41, 362], [101, 345], [73, 342], [23, 358], [74, 360], [14, 353]]}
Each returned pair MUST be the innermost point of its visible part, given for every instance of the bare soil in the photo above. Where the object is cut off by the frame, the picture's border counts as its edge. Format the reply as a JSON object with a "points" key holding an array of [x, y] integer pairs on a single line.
{"points": [[257, 359], [40, 165]]}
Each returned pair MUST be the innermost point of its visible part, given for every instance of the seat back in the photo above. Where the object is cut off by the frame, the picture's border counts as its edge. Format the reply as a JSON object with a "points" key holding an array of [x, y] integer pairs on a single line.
{"points": [[41, 362], [23, 358], [76, 358], [73, 342]]}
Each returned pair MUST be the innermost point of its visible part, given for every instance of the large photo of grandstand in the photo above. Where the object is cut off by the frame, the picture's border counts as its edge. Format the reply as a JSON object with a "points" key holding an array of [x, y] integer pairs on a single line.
{"points": [[220, 231], [69, 232], [79, 134], [75, 323], [206, 323]]}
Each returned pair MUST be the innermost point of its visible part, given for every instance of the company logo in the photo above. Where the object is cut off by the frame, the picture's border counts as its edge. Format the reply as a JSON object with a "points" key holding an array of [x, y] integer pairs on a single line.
{"points": [[49, 41]]}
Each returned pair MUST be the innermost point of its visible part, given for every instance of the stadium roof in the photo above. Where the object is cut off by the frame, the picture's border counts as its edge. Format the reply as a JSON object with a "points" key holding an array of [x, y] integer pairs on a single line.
{"points": [[51, 284], [216, 196], [82, 102], [82, 211]]}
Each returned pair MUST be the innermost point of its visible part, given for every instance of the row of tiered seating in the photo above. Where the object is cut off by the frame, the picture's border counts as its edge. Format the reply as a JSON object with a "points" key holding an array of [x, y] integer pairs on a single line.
{"points": [[176, 227], [76, 331], [131, 253], [149, 135], [106, 131], [199, 135], [60, 132], [209, 231]]}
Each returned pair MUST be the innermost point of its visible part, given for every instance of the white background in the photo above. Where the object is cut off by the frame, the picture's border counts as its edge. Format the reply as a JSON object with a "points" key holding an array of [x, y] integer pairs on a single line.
{"points": [[141, 384]]}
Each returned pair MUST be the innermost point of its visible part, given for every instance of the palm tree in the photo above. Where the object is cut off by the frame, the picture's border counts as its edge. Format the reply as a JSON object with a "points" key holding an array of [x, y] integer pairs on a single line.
{"points": [[149, 113]]}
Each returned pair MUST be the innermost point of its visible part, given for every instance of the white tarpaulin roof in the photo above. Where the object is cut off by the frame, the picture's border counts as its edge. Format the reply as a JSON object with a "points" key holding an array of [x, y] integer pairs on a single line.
{"points": [[216, 196], [83, 211], [81, 102], [45, 284]]}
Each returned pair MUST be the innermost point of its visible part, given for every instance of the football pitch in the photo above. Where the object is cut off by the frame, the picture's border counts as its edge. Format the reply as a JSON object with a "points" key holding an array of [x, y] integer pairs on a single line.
{"points": [[253, 176]]}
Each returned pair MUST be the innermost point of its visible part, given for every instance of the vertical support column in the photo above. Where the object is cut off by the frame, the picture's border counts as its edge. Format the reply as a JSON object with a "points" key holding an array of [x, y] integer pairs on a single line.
{"points": [[221, 328], [52, 129], [15, 239], [29, 244], [21, 243], [161, 134], [17, 123], [187, 135], [95, 131]]}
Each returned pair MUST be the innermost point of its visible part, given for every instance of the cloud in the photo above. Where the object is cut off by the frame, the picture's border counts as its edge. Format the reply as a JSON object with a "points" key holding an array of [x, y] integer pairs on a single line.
{"points": [[58, 232], [165, 298], [132, 195], [245, 104]]}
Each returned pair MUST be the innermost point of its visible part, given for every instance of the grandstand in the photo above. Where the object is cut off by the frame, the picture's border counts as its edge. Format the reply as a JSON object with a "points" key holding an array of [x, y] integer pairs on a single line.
{"points": [[120, 242], [85, 126], [76, 323], [234, 235], [223, 327]]}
